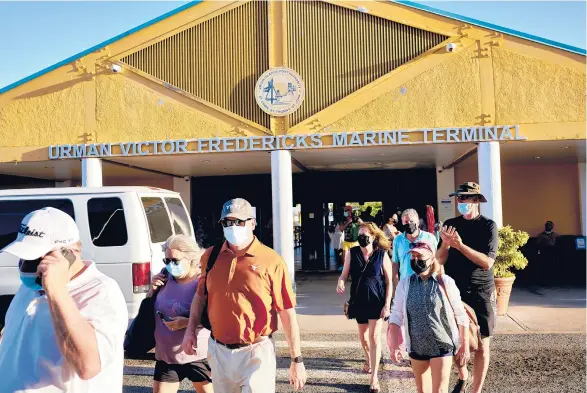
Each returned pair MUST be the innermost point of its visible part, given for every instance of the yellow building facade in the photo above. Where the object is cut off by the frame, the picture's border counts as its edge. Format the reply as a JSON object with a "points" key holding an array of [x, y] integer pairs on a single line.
{"points": [[415, 87]]}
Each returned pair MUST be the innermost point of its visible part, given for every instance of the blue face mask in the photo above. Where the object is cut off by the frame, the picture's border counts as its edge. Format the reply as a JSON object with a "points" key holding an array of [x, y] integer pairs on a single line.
{"points": [[29, 281], [465, 208], [175, 270]]}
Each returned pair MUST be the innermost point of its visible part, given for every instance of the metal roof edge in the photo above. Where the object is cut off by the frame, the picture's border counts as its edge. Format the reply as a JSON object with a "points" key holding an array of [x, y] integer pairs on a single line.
{"points": [[99, 46], [491, 26]]}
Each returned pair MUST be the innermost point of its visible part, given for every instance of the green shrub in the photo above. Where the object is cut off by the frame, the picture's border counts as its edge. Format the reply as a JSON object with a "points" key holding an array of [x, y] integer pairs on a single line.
{"points": [[509, 255]]}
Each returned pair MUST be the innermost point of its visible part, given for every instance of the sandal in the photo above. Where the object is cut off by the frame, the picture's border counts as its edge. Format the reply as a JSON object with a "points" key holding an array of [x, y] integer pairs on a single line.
{"points": [[366, 368], [375, 390]]}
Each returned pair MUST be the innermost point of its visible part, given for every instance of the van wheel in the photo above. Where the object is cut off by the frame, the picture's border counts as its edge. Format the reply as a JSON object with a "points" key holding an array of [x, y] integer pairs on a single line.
{"points": [[4, 303]]}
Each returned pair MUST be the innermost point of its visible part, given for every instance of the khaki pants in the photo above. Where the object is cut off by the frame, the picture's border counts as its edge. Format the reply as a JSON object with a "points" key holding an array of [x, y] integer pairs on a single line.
{"points": [[251, 369]]}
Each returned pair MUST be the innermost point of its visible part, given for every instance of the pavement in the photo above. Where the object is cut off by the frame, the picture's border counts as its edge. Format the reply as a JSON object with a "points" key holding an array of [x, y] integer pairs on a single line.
{"points": [[539, 346], [531, 310], [521, 363]]}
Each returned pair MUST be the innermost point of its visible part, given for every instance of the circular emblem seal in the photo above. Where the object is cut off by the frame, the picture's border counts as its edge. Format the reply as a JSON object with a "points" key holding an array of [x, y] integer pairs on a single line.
{"points": [[279, 91]]}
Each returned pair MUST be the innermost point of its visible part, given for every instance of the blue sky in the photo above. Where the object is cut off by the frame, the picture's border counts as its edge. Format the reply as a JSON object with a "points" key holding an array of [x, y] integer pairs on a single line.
{"points": [[35, 35]]}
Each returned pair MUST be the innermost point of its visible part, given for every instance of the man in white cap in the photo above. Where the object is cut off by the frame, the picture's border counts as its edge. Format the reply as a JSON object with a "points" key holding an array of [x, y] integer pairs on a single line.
{"points": [[245, 286], [65, 327]]}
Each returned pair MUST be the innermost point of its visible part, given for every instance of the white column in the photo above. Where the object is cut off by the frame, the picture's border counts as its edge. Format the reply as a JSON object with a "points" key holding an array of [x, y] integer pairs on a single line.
{"points": [[91, 172], [445, 185], [582, 189], [488, 159], [282, 196], [184, 187]]}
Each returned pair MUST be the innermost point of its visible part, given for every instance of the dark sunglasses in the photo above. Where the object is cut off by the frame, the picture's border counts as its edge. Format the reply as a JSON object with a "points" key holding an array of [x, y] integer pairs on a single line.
{"points": [[175, 261], [463, 198], [232, 222]]}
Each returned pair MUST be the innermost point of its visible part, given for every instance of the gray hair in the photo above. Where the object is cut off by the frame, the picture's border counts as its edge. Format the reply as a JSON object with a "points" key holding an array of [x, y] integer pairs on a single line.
{"points": [[186, 245], [410, 213]]}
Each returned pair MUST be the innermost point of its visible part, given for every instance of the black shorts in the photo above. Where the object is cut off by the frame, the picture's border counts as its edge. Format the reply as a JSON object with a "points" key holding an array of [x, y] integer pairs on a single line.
{"points": [[482, 301], [196, 372], [441, 353]]}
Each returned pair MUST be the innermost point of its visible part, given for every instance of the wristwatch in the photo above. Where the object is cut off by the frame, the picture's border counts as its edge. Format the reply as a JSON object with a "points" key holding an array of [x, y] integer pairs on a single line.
{"points": [[297, 359]]}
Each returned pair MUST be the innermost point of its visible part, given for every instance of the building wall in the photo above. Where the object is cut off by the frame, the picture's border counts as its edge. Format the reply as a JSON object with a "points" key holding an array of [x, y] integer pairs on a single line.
{"points": [[130, 111], [51, 114], [446, 95], [153, 180], [521, 79], [535, 193]]}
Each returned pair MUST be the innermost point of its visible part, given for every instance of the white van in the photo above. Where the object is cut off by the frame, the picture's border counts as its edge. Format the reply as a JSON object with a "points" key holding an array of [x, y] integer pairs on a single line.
{"points": [[122, 229]]}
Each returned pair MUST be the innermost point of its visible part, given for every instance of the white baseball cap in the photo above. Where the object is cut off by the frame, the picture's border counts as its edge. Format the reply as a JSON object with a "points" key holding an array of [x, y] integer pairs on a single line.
{"points": [[41, 232]]}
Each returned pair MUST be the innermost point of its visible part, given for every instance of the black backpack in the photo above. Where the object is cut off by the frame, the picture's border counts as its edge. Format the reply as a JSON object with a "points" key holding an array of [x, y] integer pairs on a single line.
{"points": [[205, 321]]}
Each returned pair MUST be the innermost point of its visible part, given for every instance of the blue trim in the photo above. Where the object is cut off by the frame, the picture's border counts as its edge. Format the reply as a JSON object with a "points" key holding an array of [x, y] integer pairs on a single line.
{"points": [[99, 46], [491, 26]]}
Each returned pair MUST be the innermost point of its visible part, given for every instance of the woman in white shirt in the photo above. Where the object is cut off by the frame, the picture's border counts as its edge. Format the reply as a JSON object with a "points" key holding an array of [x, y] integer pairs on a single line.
{"points": [[336, 237], [434, 320]]}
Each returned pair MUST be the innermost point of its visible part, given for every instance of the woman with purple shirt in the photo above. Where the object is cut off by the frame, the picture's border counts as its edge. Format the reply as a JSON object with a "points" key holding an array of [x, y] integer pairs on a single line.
{"points": [[172, 307]]}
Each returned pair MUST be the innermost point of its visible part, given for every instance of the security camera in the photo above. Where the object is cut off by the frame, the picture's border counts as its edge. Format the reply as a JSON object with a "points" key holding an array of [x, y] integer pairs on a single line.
{"points": [[116, 68], [451, 47], [186, 178]]}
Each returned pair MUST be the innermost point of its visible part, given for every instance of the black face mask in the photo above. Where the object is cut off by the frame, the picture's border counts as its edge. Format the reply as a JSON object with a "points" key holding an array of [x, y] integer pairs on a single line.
{"points": [[419, 266], [364, 240], [411, 228]]}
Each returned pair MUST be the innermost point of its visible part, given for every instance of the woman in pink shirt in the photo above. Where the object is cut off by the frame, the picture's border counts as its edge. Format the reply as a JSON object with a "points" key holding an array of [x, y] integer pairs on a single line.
{"points": [[176, 288]]}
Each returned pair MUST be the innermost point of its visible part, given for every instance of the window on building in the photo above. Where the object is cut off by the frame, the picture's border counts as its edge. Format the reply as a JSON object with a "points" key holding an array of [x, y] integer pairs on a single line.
{"points": [[13, 212], [107, 222], [157, 218], [179, 216]]}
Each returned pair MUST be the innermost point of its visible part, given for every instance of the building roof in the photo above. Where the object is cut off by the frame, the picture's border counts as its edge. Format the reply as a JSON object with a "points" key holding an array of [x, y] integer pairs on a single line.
{"points": [[99, 46], [491, 26], [411, 4]]}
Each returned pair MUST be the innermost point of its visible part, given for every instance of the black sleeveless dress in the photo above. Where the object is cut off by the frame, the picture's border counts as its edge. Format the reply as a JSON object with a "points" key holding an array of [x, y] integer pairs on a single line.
{"points": [[367, 291]]}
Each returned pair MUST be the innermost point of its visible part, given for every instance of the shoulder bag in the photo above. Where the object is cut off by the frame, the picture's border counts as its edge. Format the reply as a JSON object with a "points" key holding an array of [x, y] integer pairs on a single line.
{"points": [[474, 335], [140, 336], [348, 304], [205, 320]]}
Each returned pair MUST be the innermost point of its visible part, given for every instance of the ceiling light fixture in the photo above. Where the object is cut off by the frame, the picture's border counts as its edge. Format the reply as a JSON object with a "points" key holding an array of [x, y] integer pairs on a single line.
{"points": [[205, 161], [537, 157], [566, 147]]}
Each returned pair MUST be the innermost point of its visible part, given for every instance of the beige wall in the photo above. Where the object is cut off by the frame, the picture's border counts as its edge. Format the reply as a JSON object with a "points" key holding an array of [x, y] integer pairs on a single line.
{"points": [[535, 193], [154, 180]]}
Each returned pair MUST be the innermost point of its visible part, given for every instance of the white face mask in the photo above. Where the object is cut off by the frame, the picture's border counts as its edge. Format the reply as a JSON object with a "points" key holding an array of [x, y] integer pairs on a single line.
{"points": [[238, 236]]}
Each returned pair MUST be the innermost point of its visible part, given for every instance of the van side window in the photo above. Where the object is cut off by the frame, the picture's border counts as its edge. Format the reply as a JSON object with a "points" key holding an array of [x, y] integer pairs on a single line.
{"points": [[179, 216], [107, 222], [12, 213], [158, 219]]}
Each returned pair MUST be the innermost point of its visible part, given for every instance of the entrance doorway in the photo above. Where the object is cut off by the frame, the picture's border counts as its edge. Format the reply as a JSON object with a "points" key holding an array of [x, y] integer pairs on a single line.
{"points": [[318, 198], [323, 195]]}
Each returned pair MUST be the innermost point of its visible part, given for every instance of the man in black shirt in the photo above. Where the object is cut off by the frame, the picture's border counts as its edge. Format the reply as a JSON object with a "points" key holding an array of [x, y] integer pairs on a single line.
{"points": [[468, 249]]}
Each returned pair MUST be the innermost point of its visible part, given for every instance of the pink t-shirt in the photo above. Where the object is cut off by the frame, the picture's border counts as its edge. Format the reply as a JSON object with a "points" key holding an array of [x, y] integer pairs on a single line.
{"points": [[174, 300]]}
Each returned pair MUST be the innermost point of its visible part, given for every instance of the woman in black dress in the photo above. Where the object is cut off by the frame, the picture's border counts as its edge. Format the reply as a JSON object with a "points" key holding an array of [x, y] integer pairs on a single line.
{"points": [[370, 268]]}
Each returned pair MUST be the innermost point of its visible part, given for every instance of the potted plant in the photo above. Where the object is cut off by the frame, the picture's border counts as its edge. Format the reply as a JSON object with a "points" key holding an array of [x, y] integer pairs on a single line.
{"points": [[508, 257]]}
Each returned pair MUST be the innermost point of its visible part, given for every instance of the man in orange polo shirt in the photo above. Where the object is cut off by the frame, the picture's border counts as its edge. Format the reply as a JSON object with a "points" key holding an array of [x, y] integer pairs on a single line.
{"points": [[247, 287]]}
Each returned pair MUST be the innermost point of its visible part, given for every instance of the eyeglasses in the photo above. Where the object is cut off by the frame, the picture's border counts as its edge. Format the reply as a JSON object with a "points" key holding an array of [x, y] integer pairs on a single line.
{"points": [[231, 222], [463, 198], [175, 261]]}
